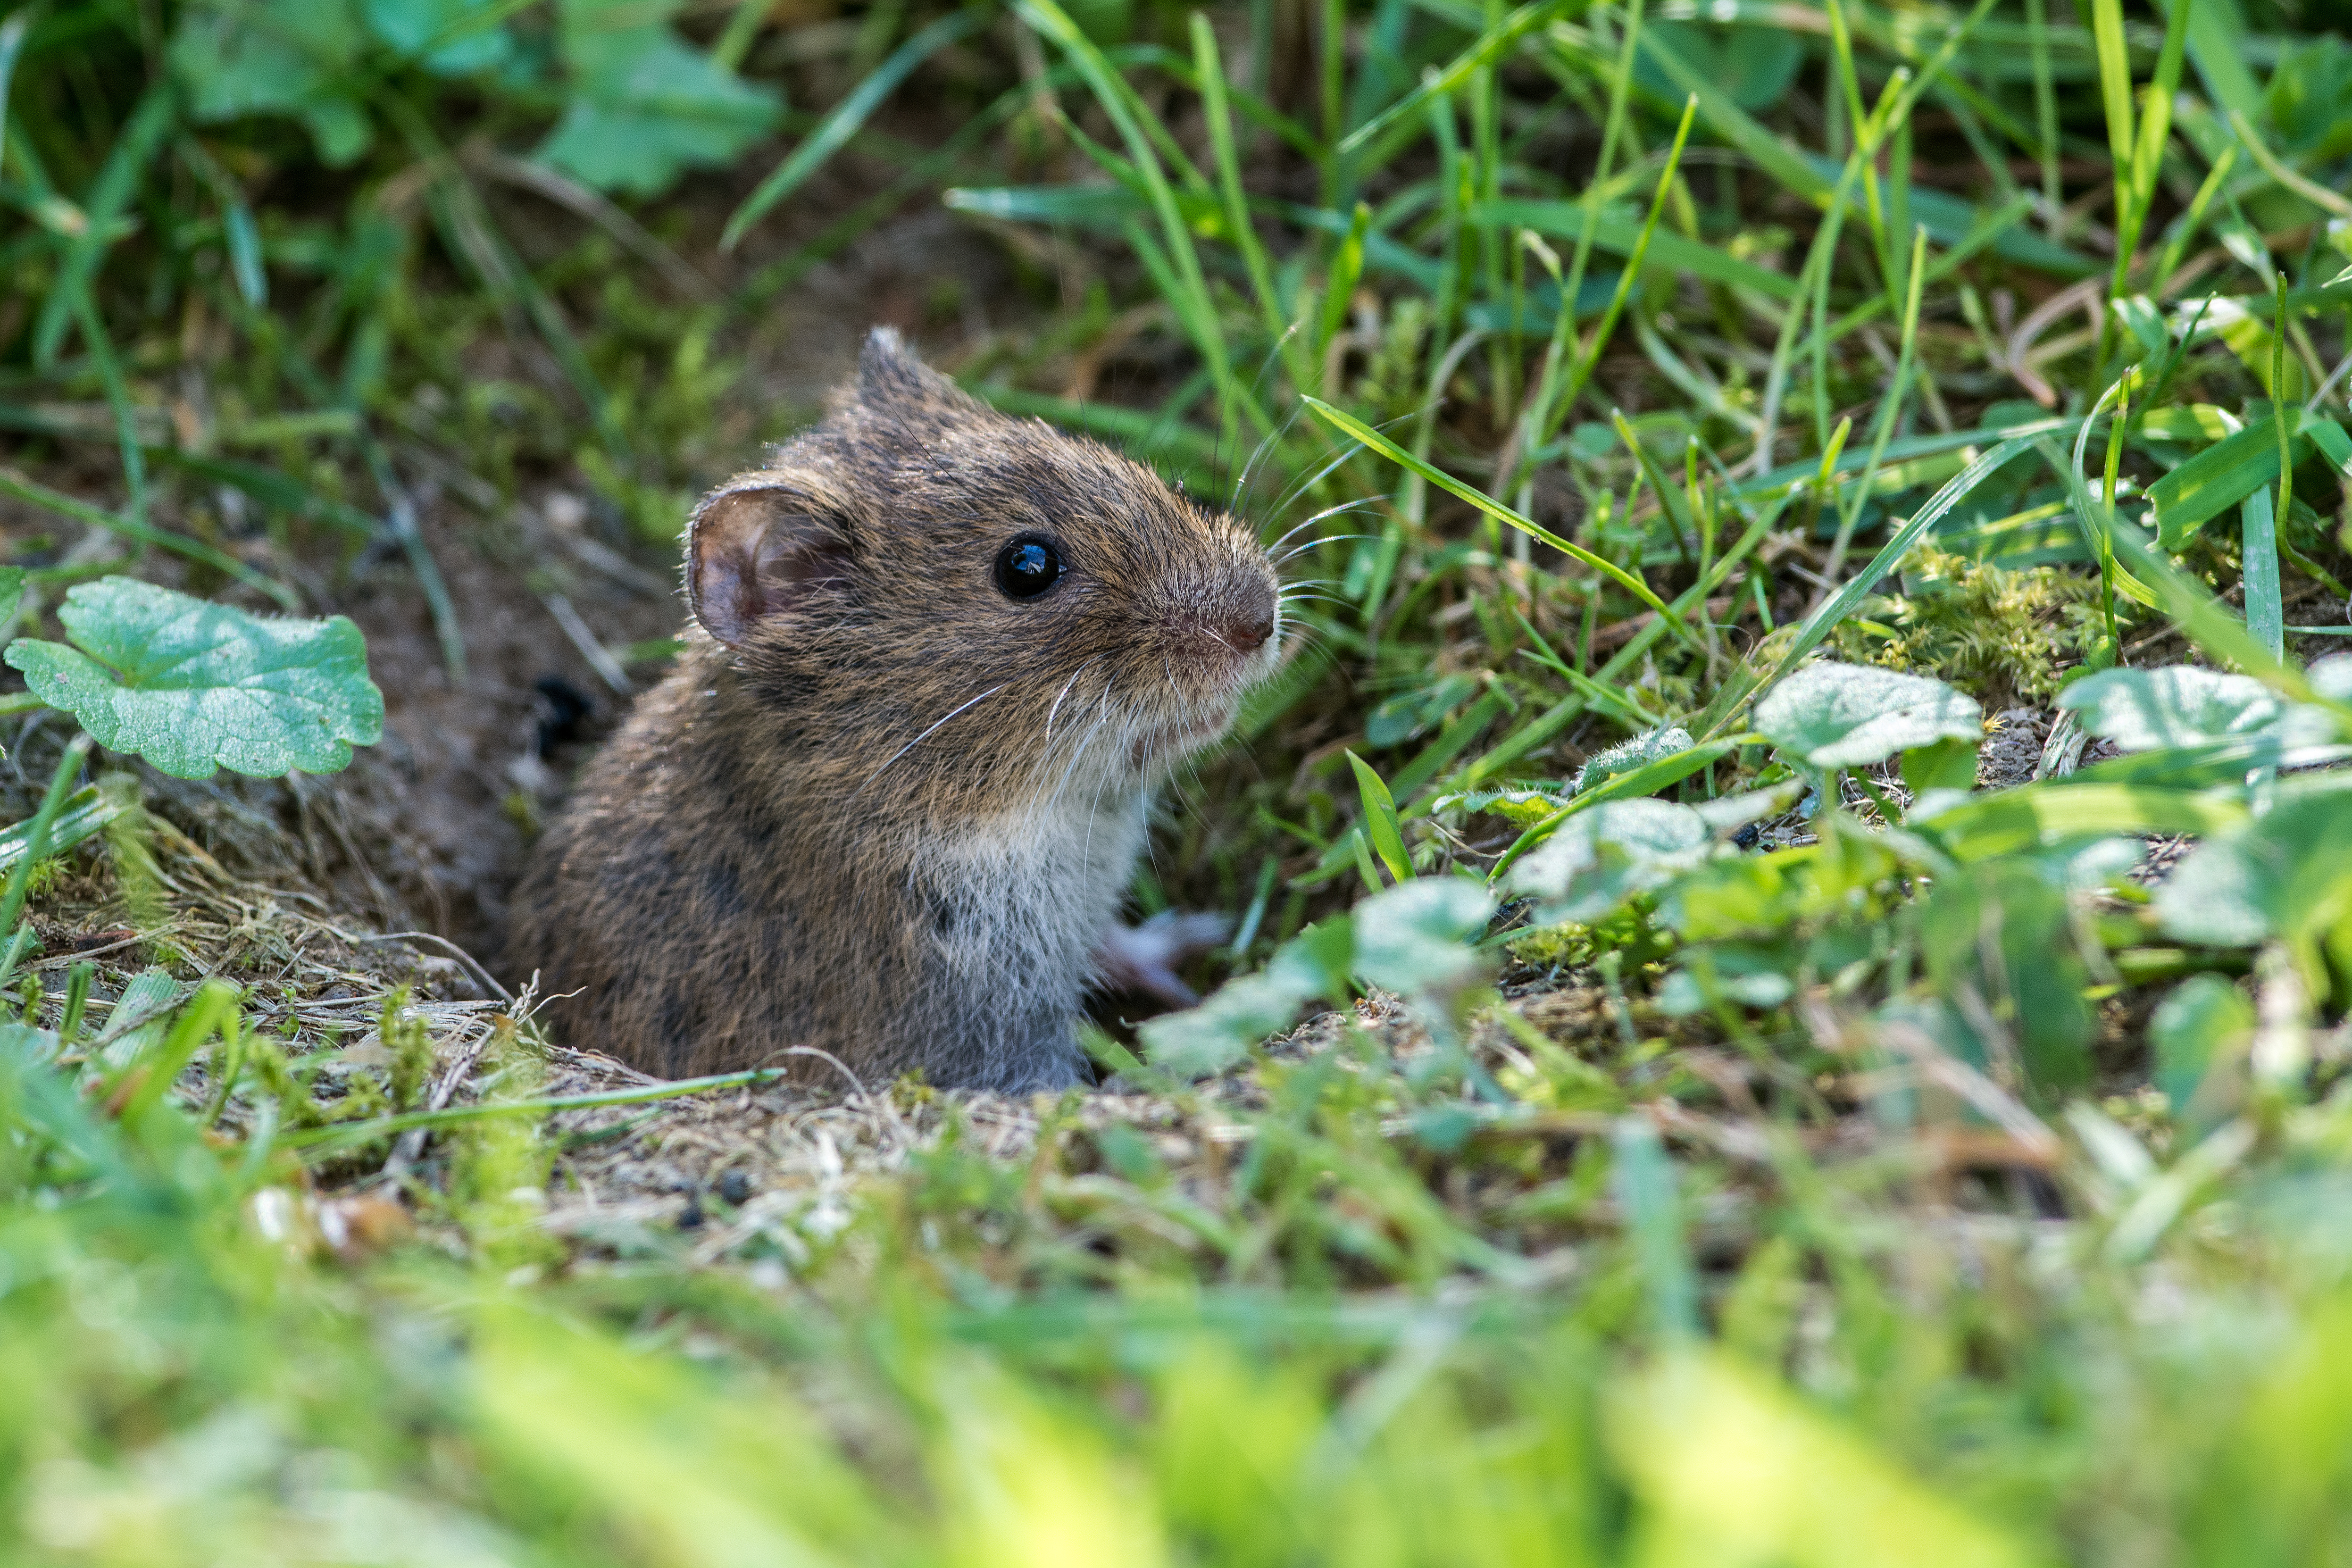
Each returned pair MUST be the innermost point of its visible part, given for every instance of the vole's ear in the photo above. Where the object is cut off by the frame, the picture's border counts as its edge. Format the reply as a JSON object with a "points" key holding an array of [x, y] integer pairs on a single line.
{"points": [[757, 546], [891, 377]]}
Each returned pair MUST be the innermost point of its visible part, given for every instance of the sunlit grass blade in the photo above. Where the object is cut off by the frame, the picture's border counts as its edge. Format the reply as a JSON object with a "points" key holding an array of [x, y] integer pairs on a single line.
{"points": [[2265, 616], [1825, 616], [1350, 424], [1380, 829], [1590, 359], [1192, 302], [1645, 780], [1890, 405]]}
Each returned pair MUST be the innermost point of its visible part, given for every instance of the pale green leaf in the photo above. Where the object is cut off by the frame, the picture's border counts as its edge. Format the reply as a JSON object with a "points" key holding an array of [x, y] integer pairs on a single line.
{"points": [[193, 686], [1416, 937], [1830, 715]]}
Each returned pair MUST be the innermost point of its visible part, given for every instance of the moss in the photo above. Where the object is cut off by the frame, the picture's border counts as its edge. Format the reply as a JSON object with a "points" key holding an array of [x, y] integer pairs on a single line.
{"points": [[1988, 630]]}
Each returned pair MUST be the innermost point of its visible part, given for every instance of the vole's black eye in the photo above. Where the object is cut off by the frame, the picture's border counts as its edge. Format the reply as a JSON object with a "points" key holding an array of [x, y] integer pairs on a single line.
{"points": [[1028, 567]]}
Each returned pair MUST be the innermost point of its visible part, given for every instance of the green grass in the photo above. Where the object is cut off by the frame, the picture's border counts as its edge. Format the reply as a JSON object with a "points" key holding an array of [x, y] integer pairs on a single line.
{"points": [[1911, 1187]]}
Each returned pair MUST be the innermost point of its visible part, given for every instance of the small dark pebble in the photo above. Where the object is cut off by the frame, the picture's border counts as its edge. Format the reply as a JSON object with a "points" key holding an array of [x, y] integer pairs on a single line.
{"points": [[735, 1186], [690, 1218]]}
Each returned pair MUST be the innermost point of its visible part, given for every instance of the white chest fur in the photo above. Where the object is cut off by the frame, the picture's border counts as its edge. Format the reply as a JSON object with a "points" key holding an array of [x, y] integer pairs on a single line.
{"points": [[1023, 900]]}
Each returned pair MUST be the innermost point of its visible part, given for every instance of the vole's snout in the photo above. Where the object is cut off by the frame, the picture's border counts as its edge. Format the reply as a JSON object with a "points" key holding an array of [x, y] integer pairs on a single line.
{"points": [[1249, 616], [1229, 617]]}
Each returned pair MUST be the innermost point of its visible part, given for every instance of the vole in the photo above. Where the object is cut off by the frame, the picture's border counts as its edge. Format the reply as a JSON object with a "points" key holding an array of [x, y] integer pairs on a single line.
{"points": [[889, 802]]}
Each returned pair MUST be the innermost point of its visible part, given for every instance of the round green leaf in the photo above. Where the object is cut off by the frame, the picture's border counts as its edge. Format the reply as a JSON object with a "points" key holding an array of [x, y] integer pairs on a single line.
{"points": [[2287, 873], [2182, 705], [1830, 715], [1601, 857], [1414, 937], [193, 686]]}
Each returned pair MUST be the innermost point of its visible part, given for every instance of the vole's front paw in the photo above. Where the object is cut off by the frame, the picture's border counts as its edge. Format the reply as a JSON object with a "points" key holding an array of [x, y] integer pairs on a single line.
{"points": [[1143, 957]]}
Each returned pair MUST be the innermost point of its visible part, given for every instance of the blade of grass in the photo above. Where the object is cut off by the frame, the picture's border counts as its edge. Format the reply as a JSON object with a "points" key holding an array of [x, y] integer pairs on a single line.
{"points": [[845, 119], [2265, 615], [1828, 614], [1590, 359], [1455, 74], [18, 486], [1553, 720], [1541, 420], [1645, 780], [37, 844], [1348, 424], [1192, 303], [109, 194], [1380, 829], [1239, 226], [1890, 409], [2045, 118]]}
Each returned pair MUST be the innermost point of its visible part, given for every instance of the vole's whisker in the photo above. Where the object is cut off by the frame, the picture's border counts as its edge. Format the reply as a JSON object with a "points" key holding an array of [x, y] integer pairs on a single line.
{"points": [[926, 735], [1249, 469], [1319, 539], [1348, 450], [1056, 708], [1076, 754], [1331, 511]]}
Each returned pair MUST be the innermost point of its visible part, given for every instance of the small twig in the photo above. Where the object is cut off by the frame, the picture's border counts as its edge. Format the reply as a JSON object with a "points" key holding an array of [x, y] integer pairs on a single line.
{"points": [[600, 658]]}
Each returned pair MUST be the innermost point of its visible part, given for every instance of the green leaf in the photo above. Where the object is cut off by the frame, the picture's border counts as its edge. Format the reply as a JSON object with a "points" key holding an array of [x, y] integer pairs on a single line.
{"points": [[2205, 1022], [645, 107], [2184, 705], [1599, 858], [2287, 874], [2216, 480], [1628, 755], [2007, 821], [276, 56], [1950, 763], [193, 686], [448, 38], [2004, 927], [1243, 1011], [1830, 715], [1414, 938], [1380, 827]]}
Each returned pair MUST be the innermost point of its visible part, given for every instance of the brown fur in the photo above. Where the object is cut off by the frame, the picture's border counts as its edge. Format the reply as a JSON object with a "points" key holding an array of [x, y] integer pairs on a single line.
{"points": [[880, 808]]}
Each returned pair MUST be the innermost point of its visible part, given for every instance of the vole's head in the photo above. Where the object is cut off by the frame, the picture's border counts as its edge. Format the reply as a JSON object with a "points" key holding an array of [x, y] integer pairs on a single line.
{"points": [[939, 598]]}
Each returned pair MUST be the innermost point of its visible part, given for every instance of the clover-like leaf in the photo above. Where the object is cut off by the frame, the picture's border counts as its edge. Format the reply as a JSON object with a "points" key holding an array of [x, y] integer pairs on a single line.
{"points": [[1830, 715], [1220, 1031], [2182, 705], [1601, 857], [2287, 873], [1416, 937], [2205, 1023], [645, 106], [193, 686]]}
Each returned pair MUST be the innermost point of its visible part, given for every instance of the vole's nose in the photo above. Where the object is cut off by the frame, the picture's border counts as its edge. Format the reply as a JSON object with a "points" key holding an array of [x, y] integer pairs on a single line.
{"points": [[1248, 619]]}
